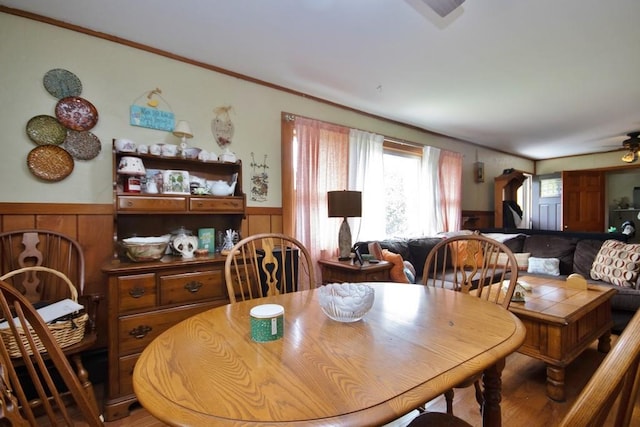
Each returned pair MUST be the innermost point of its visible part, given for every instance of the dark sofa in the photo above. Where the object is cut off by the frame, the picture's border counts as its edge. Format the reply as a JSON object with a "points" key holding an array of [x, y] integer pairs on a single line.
{"points": [[576, 252]]}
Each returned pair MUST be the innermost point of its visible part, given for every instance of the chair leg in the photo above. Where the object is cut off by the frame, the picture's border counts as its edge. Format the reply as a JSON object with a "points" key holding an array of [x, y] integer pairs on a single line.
{"points": [[83, 376], [479, 395], [448, 396]]}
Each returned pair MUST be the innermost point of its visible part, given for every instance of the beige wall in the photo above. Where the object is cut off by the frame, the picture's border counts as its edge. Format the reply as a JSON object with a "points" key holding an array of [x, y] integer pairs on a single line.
{"points": [[591, 161], [114, 76]]}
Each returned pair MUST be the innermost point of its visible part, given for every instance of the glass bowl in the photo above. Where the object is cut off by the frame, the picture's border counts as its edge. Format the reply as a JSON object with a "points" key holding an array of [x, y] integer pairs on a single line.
{"points": [[140, 249], [346, 302]]}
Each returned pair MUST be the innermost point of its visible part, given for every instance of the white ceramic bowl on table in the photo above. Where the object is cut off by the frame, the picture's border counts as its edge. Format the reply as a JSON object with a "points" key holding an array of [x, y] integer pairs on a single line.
{"points": [[140, 249], [346, 302]]}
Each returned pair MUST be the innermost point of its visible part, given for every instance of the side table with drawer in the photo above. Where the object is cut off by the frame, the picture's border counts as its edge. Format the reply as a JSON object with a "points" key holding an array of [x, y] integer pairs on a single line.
{"points": [[347, 271]]}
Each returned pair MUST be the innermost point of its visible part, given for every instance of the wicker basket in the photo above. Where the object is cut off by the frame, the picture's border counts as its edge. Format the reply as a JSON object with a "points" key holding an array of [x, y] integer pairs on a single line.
{"points": [[66, 332]]}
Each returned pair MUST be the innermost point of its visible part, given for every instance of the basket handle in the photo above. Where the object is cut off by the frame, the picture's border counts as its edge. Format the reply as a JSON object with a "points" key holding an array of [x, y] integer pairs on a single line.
{"points": [[72, 289]]}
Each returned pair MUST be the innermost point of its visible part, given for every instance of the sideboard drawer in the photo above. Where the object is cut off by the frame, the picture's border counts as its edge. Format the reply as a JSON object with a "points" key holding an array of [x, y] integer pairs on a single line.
{"points": [[125, 373], [152, 204], [217, 205], [136, 292], [191, 287], [137, 331]]}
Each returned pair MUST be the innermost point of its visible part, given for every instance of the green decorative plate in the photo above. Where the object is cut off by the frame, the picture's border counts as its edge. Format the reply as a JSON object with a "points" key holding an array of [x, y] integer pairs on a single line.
{"points": [[62, 83], [46, 130]]}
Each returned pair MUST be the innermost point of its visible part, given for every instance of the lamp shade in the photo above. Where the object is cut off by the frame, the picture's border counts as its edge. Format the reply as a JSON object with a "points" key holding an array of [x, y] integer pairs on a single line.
{"points": [[183, 129], [344, 204]]}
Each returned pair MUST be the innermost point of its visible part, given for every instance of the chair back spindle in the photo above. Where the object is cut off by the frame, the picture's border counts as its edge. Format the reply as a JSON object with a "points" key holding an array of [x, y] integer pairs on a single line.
{"points": [[267, 264]]}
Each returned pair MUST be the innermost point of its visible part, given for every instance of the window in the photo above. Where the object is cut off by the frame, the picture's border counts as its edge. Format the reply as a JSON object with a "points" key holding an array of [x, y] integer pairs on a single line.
{"points": [[407, 190], [401, 190]]}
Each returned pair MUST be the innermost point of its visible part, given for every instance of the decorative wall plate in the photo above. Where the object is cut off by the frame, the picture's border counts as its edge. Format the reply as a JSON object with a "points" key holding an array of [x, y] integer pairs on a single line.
{"points": [[82, 145], [222, 126], [76, 113], [45, 129], [50, 162], [62, 83]]}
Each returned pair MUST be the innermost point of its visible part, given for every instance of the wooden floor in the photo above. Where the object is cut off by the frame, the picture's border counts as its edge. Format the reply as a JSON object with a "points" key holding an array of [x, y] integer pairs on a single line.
{"points": [[524, 402]]}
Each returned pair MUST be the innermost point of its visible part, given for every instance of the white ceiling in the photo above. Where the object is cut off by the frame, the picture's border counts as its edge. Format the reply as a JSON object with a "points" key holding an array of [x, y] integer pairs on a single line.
{"points": [[537, 78]]}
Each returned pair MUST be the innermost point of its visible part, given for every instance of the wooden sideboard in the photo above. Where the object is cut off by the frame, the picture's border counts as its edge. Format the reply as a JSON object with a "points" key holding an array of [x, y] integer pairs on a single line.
{"points": [[144, 300]]}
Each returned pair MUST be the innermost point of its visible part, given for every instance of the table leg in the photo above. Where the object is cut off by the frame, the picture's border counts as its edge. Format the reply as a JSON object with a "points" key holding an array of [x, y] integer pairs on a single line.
{"points": [[604, 342], [555, 383], [492, 382]]}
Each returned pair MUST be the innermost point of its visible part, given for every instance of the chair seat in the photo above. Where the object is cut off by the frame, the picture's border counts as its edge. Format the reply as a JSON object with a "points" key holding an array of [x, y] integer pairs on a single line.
{"points": [[437, 419]]}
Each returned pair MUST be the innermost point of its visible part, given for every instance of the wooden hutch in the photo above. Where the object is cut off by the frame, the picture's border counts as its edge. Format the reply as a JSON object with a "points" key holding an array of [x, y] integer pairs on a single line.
{"points": [[506, 188], [146, 298]]}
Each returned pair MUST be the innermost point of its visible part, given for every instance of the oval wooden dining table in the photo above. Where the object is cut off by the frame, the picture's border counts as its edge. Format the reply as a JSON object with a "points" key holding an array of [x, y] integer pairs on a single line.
{"points": [[414, 344]]}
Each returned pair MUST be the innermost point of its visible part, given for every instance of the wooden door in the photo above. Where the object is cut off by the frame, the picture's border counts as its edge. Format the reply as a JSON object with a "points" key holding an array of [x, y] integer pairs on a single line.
{"points": [[583, 203]]}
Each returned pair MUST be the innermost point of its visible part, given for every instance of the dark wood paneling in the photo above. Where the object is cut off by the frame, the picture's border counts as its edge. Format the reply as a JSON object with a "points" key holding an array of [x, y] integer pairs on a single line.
{"points": [[472, 220], [90, 224]]}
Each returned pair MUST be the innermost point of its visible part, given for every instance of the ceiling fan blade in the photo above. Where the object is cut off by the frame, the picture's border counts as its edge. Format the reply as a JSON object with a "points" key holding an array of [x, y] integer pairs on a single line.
{"points": [[443, 7]]}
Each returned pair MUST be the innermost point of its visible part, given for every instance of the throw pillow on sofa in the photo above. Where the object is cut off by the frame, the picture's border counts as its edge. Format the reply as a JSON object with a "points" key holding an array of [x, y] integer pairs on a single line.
{"points": [[562, 248], [466, 253], [397, 266], [617, 263], [550, 266], [522, 260]]}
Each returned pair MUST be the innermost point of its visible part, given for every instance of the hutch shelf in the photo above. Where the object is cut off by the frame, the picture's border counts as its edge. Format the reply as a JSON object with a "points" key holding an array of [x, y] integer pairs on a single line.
{"points": [[147, 298]]}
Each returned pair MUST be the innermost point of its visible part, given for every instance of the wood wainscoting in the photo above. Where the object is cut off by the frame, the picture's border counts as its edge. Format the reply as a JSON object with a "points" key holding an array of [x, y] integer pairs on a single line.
{"points": [[472, 220], [92, 226]]}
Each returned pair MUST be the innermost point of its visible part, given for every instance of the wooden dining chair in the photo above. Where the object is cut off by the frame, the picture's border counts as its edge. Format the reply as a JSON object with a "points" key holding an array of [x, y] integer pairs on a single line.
{"points": [[472, 264], [613, 388], [267, 264], [22, 249], [35, 385]]}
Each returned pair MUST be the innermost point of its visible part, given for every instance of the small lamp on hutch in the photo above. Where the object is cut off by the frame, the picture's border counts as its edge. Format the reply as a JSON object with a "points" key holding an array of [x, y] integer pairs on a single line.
{"points": [[183, 131], [344, 204]]}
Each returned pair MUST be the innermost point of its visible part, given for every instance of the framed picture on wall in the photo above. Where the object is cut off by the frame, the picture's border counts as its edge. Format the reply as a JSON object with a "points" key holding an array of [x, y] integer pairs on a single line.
{"points": [[478, 169]]}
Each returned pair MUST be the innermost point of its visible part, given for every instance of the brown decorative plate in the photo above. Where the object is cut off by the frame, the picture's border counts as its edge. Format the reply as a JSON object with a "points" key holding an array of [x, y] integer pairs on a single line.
{"points": [[45, 129], [82, 145], [50, 162], [62, 83], [76, 113]]}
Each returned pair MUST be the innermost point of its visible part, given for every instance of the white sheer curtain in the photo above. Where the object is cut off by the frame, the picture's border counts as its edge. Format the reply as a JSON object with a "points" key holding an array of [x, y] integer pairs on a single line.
{"points": [[429, 206], [441, 176], [366, 175]]}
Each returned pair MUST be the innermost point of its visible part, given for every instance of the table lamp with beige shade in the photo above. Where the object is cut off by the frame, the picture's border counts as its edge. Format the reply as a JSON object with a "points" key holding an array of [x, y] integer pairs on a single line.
{"points": [[183, 131]]}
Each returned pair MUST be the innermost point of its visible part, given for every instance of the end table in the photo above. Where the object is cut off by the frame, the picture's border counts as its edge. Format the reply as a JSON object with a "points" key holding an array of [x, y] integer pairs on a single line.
{"points": [[347, 271]]}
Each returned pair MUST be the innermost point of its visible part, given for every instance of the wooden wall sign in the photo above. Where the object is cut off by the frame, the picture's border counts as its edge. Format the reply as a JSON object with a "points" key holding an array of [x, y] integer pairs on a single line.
{"points": [[152, 118]]}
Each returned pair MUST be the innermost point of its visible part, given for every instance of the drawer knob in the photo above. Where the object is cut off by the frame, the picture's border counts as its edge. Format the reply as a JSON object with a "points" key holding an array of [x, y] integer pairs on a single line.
{"points": [[136, 292], [193, 286], [140, 332]]}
